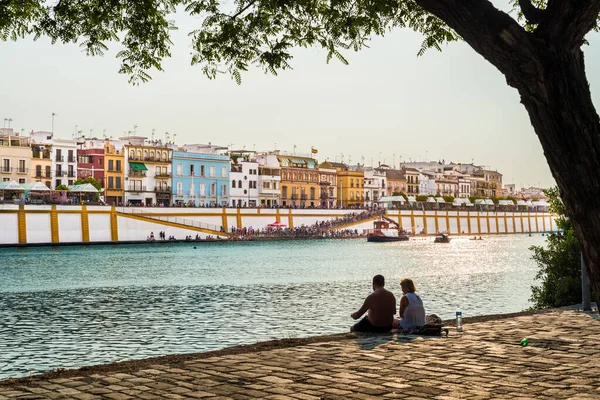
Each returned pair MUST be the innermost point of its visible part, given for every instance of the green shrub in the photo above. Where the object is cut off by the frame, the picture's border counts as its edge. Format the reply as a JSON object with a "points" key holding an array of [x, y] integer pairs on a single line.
{"points": [[559, 262]]}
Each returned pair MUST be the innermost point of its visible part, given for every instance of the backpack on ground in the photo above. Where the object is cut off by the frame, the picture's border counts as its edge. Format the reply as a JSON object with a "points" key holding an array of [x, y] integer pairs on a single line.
{"points": [[431, 329]]}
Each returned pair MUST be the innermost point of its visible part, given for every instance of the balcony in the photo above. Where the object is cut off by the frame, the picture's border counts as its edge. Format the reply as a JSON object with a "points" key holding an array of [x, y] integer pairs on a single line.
{"points": [[38, 175], [157, 159], [59, 159], [71, 159], [6, 170], [294, 197], [22, 171], [135, 188], [162, 189], [71, 174], [117, 170], [60, 172], [139, 174], [303, 197], [162, 176]]}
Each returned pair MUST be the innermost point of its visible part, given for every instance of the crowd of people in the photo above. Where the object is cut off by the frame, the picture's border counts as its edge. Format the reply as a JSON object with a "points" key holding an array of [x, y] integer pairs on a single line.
{"points": [[324, 229]]}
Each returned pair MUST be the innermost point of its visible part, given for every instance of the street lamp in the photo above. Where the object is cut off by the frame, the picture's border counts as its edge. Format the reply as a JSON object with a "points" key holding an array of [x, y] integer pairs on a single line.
{"points": [[53, 115]]}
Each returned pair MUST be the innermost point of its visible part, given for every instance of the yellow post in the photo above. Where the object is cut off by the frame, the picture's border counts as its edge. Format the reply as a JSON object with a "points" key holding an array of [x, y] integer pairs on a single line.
{"points": [[497, 224], [437, 224], [22, 224], [544, 222], [551, 223], [514, 223], [487, 220], [114, 228], [239, 217], [277, 215], [479, 222], [224, 220], [469, 221], [85, 225], [537, 228], [448, 222], [400, 219], [54, 225], [529, 220], [290, 219], [458, 222], [412, 222]]}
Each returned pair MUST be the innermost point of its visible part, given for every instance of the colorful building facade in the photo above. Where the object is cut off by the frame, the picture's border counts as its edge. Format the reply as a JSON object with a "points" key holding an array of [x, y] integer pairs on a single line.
{"points": [[299, 181], [200, 179]]}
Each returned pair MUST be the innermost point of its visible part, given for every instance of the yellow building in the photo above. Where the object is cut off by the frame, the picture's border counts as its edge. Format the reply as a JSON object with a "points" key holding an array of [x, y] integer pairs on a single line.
{"points": [[114, 177], [299, 181], [351, 184], [41, 164], [328, 185], [15, 156]]}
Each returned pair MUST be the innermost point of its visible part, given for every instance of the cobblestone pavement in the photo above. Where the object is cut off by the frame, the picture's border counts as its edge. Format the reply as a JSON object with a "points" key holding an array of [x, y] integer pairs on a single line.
{"points": [[562, 360]]}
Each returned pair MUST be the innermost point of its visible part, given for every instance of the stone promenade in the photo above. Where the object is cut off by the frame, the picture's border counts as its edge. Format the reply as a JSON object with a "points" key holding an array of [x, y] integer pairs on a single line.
{"points": [[562, 360]]}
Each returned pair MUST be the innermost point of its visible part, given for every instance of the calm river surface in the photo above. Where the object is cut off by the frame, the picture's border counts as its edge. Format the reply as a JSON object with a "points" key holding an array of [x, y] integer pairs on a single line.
{"points": [[67, 307]]}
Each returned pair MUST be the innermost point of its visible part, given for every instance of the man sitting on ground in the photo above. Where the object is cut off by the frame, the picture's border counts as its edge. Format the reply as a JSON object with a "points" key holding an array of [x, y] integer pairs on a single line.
{"points": [[381, 307]]}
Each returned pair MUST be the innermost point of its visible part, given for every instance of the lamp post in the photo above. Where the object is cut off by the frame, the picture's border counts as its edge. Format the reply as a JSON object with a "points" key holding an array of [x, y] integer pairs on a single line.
{"points": [[53, 115]]}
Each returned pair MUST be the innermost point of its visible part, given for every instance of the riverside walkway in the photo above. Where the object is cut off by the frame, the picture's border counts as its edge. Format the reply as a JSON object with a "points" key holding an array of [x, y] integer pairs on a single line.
{"points": [[562, 360]]}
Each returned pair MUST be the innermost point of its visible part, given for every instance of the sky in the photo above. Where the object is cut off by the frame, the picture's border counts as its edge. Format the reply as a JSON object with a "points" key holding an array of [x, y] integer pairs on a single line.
{"points": [[387, 106]]}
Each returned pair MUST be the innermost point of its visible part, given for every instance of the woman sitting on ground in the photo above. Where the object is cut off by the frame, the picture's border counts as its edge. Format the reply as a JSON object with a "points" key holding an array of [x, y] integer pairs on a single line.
{"points": [[412, 312]]}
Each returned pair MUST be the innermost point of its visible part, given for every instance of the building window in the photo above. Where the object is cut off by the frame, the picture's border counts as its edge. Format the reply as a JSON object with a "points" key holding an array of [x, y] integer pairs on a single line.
{"points": [[213, 189], [179, 189], [110, 182], [223, 171], [118, 183], [48, 171], [21, 180], [224, 190], [192, 170], [202, 170], [212, 171], [118, 165], [22, 166], [192, 191], [38, 171], [48, 184], [202, 189], [6, 165], [233, 184], [179, 169], [110, 165]]}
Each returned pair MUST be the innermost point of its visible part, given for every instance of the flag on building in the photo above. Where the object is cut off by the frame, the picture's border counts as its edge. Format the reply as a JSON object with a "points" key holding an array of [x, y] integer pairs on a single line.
{"points": [[313, 150]]}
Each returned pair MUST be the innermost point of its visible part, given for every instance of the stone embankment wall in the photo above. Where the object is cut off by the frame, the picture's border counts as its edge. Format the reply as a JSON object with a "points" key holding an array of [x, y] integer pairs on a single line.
{"points": [[24, 224]]}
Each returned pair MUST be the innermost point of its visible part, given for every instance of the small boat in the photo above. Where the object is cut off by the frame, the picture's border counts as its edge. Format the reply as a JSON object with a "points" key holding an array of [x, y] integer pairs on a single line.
{"points": [[442, 238], [383, 233]]}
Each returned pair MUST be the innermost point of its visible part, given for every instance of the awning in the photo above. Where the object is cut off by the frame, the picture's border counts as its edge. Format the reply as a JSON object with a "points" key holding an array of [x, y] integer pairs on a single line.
{"points": [[440, 200], [10, 185], [138, 166], [85, 188], [35, 187], [390, 199]]}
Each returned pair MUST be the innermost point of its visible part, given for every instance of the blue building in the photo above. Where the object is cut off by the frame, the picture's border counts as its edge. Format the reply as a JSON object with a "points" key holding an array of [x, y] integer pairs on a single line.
{"points": [[200, 176]]}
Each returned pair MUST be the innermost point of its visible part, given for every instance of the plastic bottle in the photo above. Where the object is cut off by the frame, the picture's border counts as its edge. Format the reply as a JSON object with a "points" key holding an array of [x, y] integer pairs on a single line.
{"points": [[459, 327], [525, 342]]}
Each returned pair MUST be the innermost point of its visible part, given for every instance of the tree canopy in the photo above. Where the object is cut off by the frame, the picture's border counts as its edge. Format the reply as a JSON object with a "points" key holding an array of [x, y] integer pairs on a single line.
{"points": [[233, 36]]}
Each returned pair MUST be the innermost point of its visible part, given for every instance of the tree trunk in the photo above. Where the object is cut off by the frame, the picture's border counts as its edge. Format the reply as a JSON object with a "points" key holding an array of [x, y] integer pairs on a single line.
{"points": [[547, 68], [560, 107]]}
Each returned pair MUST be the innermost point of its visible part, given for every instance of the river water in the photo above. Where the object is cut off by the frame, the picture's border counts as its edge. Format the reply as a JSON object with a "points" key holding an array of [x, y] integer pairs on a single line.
{"points": [[66, 307]]}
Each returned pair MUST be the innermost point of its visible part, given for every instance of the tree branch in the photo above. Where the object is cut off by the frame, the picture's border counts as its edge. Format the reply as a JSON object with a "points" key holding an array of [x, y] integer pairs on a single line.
{"points": [[533, 14], [568, 21], [247, 6], [493, 34]]}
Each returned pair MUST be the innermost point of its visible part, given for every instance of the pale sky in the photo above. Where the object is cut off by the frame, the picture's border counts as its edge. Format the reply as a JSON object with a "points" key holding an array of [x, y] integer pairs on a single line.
{"points": [[451, 105]]}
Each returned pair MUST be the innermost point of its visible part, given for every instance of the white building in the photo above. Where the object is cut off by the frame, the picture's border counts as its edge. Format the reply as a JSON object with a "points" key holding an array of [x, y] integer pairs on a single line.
{"points": [[244, 184], [269, 180], [63, 156], [427, 183], [375, 184]]}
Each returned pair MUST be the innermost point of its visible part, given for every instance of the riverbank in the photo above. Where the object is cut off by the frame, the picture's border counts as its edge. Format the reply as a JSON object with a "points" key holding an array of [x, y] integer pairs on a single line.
{"points": [[486, 360]]}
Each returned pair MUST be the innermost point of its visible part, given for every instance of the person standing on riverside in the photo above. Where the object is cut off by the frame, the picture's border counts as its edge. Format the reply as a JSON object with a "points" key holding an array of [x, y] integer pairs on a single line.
{"points": [[412, 312], [381, 307]]}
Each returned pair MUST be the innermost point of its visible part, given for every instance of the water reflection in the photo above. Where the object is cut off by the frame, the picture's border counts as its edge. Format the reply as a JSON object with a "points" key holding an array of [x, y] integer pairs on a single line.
{"points": [[97, 305]]}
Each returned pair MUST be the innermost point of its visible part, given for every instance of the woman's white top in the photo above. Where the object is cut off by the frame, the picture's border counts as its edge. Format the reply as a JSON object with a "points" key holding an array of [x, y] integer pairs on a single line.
{"points": [[414, 313]]}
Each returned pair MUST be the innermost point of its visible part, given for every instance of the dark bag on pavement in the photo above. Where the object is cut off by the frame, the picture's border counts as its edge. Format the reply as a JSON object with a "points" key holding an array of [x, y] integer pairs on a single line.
{"points": [[431, 330]]}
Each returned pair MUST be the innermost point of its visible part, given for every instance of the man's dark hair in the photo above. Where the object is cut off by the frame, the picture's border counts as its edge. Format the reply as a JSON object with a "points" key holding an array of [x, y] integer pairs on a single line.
{"points": [[379, 280]]}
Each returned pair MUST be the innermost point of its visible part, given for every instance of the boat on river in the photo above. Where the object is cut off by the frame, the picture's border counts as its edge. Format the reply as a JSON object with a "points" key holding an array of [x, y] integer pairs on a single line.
{"points": [[387, 230], [442, 238]]}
